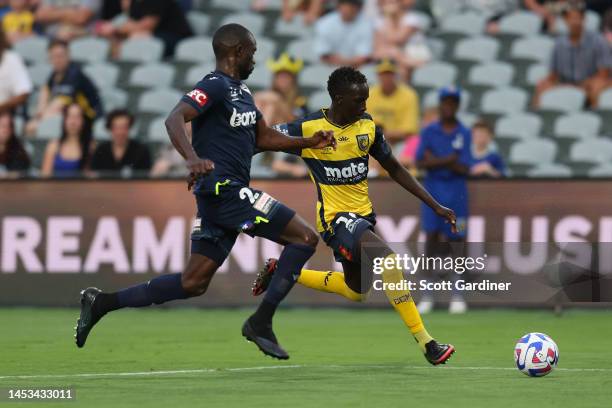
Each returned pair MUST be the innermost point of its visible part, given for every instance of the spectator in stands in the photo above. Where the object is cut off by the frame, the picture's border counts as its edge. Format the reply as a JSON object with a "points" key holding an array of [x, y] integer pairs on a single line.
{"points": [[397, 36], [18, 23], [120, 154], [548, 10], [67, 19], [311, 10], [393, 105], [408, 154], [13, 157], [285, 83], [486, 162], [580, 58], [66, 84], [345, 36], [15, 82], [163, 19], [69, 155]]}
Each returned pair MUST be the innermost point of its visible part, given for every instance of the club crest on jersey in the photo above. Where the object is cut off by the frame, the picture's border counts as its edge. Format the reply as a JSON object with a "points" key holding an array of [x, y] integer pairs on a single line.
{"points": [[243, 119], [235, 94], [198, 96], [363, 141]]}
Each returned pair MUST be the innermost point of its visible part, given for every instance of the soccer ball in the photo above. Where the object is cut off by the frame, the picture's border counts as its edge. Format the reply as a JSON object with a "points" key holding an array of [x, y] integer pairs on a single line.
{"points": [[536, 354]]}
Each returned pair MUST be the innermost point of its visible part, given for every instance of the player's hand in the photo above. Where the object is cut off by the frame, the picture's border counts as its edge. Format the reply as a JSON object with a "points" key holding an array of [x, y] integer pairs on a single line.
{"points": [[323, 139], [198, 167], [449, 216]]}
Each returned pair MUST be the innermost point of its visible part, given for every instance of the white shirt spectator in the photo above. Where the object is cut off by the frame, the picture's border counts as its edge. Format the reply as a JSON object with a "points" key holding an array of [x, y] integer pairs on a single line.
{"points": [[14, 77], [334, 36]]}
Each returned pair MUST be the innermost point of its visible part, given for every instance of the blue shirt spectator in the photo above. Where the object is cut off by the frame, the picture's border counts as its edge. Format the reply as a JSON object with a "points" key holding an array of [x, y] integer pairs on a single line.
{"points": [[487, 162], [345, 36]]}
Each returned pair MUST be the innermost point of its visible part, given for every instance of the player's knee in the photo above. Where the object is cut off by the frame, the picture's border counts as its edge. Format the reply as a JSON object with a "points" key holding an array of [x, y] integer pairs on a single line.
{"points": [[310, 238], [195, 285]]}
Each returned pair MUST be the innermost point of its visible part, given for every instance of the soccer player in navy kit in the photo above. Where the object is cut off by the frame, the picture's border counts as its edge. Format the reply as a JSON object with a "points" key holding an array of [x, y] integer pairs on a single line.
{"points": [[444, 152], [227, 129]]}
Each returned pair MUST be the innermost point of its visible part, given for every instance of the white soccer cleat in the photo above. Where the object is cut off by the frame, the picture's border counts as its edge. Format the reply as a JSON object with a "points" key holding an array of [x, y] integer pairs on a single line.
{"points": [[426, 305], [457, 306]]}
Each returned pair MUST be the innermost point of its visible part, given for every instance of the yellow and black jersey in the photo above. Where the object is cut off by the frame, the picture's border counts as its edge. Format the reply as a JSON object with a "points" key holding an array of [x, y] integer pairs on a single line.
{"points": [[341, 175]]}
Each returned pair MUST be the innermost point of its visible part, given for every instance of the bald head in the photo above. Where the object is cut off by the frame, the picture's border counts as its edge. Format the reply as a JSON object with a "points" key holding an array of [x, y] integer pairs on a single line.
{"points": [[228, 37]]}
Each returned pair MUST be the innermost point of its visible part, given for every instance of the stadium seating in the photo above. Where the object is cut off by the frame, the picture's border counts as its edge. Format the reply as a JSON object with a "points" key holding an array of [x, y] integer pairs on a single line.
{"points": [[152, 76], [493, 74], [33, 49], [195, 49], [141, 50], [89, 50], [49, 128], [562, 99], [504, 101], [435, 75]]}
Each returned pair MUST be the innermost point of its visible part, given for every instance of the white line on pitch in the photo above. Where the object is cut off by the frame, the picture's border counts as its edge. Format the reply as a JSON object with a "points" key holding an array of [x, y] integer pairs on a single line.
{"points": [[276, 367]]}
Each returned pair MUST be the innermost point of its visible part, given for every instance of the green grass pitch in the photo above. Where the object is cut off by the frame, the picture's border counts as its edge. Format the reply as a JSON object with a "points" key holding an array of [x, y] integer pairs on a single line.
{"points": [[356, 358]]}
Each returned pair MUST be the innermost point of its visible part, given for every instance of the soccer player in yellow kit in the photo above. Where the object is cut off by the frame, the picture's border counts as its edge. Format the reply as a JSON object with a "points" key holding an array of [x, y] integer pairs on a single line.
{"points": [[345, 217]]}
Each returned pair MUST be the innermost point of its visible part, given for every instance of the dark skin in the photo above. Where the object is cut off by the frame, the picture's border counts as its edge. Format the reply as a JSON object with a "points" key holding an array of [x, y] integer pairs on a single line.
{"points": [[347, 108], [237, 62], [448, 118]]}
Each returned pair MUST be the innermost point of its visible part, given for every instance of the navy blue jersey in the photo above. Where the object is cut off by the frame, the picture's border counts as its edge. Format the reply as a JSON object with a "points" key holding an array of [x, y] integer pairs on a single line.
{"points": [[225, 129]]}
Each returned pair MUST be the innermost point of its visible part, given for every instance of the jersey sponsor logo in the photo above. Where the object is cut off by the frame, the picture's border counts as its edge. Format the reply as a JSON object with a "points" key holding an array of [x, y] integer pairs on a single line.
{"points": [[351, 173], [343, 139], [199, 97], [243, 119], [363, 141]]}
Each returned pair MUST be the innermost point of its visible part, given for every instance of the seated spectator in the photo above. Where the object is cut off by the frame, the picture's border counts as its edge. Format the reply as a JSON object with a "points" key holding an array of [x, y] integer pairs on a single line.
{"points": [[67, 19], [285, 72], [18, 23], [580, 58], [407, 156], [393, 105], [15, 82], [345, 36], [67, 84], [397, 36], [548, 10], [163, 19], [486, 162], [120, 154], [13, 157], [69, 155]]}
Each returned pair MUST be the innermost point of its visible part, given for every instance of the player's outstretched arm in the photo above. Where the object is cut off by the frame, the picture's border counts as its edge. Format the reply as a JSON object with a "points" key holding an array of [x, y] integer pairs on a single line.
{"points": [[398, 173], [271, 139], [177, 131]]}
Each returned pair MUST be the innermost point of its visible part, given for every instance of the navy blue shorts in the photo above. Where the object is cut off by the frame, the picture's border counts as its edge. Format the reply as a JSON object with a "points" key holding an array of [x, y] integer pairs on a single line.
{"points": [[230, 210], [345, 232]]}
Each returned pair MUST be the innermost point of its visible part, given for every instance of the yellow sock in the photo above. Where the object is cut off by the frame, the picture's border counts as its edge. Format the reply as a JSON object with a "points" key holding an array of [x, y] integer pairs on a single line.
{"points": [[332, 282], [402, 302]]}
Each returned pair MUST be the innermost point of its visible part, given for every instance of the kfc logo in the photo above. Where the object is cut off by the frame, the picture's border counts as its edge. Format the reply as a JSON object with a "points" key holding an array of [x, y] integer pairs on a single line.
{"points": [[198, 97]]}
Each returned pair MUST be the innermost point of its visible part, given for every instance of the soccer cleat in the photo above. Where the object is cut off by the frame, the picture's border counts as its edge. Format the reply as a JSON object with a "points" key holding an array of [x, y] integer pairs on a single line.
{"points": [[264, 276], [265, 340], [438, 353], [88, 318]]}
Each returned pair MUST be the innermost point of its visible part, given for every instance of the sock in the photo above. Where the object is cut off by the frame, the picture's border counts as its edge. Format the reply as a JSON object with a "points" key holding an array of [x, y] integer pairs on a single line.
{"points": [[329, 281], [156, 291], [290, 263], [402, 302]]}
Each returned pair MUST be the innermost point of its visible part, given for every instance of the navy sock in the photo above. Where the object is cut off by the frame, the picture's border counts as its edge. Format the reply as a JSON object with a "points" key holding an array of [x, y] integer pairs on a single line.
{"points": [[290, 264], [158, 290]]}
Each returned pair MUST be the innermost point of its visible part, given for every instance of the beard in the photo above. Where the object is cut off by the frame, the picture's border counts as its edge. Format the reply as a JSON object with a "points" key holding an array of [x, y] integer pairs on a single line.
{"points": [[246, 71]]}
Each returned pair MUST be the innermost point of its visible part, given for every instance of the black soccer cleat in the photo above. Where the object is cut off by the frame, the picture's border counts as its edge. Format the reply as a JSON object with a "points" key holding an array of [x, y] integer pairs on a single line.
{"points": [[264, 276], [265, 340], [438, 353], [88, 317]]}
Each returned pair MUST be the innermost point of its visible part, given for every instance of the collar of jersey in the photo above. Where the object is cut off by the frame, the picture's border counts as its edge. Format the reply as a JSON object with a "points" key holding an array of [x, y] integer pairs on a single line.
{"points": [[324, 111]]}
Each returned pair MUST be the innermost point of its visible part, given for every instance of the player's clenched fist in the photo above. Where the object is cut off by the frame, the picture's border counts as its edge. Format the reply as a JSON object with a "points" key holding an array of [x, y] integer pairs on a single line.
{"points": [[323, 138], [449, 216]]}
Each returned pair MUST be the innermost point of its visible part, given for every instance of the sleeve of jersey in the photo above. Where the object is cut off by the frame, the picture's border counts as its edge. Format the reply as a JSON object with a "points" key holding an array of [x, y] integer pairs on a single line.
{"points": [[204, 95], [380, 149], [292, 129]]}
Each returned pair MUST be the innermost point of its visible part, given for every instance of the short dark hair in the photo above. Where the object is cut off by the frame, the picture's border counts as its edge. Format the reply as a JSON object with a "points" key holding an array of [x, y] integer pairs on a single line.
{"points": [[57, 43], [118, 113], [342, 79], [229, 36]]}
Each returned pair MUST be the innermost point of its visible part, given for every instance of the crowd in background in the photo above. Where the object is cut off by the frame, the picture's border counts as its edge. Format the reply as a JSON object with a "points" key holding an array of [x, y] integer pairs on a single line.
{"points": [[389, 33]]}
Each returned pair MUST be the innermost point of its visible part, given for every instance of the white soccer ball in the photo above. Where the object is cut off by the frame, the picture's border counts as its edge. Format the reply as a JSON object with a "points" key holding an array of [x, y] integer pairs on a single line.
{"points": [[536, 354]]}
